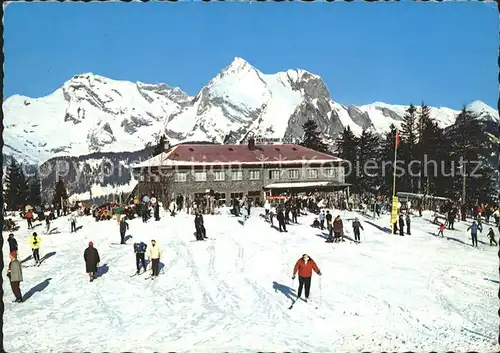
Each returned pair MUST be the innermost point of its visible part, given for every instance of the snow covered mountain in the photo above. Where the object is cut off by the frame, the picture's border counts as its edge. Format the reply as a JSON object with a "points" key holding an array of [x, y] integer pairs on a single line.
{"points": [[91, 113]]}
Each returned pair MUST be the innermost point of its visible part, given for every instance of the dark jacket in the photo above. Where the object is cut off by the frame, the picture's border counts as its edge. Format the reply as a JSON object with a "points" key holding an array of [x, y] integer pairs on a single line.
{"points": [[123, 226], [140, 248], [356, 225], [12, 244], [198, 220], [91, 257]]}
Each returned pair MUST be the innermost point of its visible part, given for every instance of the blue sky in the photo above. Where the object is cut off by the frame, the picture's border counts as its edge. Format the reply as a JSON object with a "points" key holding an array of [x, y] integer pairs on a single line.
{"points": [[442, 53]]}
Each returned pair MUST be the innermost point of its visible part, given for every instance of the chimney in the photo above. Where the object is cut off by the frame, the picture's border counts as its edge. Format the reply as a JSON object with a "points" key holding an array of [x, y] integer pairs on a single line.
{"points": [[251, 144]]}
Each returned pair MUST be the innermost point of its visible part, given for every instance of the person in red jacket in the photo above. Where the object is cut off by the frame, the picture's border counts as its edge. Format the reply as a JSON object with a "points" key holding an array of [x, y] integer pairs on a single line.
{"points": [[304, 266]]}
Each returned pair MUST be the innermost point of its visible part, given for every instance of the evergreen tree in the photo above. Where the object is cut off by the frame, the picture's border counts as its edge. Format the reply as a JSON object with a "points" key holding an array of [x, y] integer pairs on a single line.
{"points": [[369, 178], [16, 188], [409, 147], [34, 190], [347, 150], [160, 145], [312, 138], [60, 194], [468, 145], [387, 160]]}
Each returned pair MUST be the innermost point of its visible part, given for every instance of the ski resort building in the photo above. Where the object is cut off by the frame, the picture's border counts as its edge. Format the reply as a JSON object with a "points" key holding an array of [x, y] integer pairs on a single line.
{"points": [[245, 170]]}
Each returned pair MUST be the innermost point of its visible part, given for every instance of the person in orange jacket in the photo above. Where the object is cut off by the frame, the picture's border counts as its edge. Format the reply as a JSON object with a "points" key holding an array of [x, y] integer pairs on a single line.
{"points": [[304, 266]]}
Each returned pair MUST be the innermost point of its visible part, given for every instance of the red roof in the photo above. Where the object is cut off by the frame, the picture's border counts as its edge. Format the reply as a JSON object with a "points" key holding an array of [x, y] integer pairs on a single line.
{"points": [[187, 154]]}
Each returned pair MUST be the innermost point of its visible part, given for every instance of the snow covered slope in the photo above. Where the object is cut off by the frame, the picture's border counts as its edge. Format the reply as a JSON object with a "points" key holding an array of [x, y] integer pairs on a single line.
{"points": [[390, 293], [91, 113]]}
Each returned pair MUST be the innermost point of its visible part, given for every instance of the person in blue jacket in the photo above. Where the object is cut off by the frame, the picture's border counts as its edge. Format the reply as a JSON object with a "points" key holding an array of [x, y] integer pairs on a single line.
{"points": [[473, 232], [140, 251]]}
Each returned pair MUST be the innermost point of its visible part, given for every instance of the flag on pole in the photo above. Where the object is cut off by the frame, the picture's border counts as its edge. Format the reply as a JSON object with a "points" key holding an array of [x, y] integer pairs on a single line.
{"points": [[398, 140]]}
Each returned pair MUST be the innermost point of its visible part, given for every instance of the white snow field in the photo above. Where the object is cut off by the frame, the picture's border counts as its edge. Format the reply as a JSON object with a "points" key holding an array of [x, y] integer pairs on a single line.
{"points": [[233, 293]]}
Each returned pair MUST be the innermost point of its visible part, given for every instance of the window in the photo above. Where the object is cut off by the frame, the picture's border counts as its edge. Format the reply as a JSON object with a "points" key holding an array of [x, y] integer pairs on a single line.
{"points": [[237, 195], [293, 174], [330, 172], [180, 177], [254, 174], [237, 175], [274, 174], [312, 173], [200, 176], [219, 175]]}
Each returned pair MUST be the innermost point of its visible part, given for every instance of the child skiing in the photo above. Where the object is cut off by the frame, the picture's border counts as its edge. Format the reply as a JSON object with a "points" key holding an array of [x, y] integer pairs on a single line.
{"points": [[304, 266], [35, 247], [441, 230]]}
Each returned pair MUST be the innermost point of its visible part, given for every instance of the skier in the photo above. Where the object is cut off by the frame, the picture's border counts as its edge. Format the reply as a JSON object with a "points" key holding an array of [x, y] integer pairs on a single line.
{"points": [[201, 232], [72, 219], [267, 208], [338, 229], [491, 235], [249, 207], [157, 212], [92, 259], [355, 226], [329, 225], [12, 243], [401, 225], [140, 251], [294, 214], [322, 220], [304, 266], [47, 225], [15, 274], [473, 232], [123, 229], [281, 220], [29, 218], [408, 222], [35, 247], [154, 253], [441, 230], [172, 207]]}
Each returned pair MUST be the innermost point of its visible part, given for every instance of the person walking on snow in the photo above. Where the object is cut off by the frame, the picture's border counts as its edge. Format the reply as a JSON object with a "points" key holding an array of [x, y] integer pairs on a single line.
{"points": [[491, 235], [15, 275], [201, 232], [401, 225], [356, 225], [322, 220], [35, 247], [267, 208], [281, 220], [140, 251], [12, 243], [338, 229], [154, 254], [47, 224], [473, 232], [123, 230], [92, 259], [408, 222], [72, 219], [304, 266], [329, 226], [441, 230]]}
